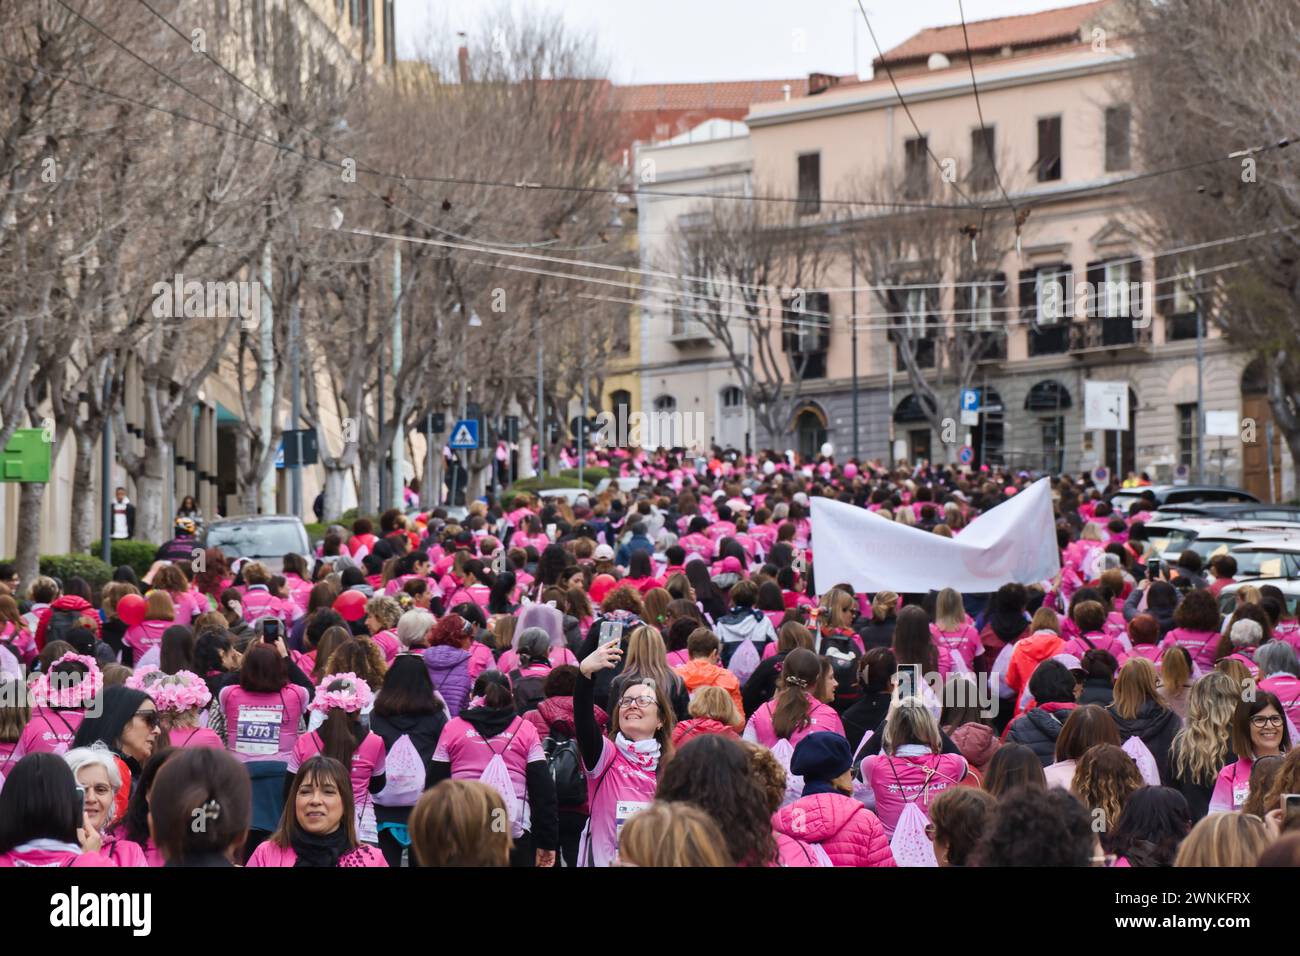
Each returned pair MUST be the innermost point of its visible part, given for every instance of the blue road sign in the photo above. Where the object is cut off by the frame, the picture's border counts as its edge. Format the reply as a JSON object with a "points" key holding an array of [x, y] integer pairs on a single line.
{"points": [[966, 455], [970, 399], [464, 434]]}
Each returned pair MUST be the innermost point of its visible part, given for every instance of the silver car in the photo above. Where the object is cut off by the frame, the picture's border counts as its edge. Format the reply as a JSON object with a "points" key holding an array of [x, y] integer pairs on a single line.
{"points": [[267, 538]]}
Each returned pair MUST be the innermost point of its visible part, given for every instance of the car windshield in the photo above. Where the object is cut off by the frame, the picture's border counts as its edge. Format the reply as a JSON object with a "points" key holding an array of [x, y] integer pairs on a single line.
{"points": [[1176, 540], [1260, 564], [268, 539]]}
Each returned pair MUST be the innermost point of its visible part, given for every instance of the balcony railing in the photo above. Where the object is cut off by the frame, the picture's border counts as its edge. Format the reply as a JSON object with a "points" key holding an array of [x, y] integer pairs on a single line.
{"points": [[1106, 333]]}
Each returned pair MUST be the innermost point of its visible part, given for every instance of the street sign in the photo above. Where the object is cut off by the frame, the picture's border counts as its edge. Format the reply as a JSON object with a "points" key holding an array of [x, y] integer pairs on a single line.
{"points": [[464, 434], [437, 421], [970, 399], [1181, 474], [27, 456], [1101, 476], [1105, 406], [966, 455], [969, 417], [1221, 424], [287, 454]]}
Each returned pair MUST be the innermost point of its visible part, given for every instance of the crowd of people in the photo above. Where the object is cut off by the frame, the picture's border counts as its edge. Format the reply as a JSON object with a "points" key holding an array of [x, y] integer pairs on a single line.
{"points": [[654, 678]]}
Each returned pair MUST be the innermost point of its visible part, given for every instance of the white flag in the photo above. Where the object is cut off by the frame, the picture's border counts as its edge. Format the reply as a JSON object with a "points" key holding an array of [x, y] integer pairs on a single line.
{"points": [[1016, 541]]}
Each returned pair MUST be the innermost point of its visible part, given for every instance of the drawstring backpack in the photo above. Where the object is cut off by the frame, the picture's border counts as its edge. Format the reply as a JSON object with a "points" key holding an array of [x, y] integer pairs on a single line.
{"points": [[404, 775], [783, 750], [497, 776], [909, 844], [862, 791], [744, 661]]}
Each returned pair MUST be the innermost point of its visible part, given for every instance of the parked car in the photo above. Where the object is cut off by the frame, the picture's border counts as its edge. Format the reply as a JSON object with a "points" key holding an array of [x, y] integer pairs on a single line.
{"points": [[1163, 495], [625, 485], [1167, 539], [1266, 562], [268, 538], [1230, 512]]}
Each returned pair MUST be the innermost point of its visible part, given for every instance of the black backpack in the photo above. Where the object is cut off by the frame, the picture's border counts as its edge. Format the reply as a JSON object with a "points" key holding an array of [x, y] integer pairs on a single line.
{"points": [[528, 691], [565, 762], [60, 623], [842, 651]]}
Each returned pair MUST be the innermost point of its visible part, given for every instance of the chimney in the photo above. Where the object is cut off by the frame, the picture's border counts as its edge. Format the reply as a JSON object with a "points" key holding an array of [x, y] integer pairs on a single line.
{"points": [[821, 82], [462, 58]]}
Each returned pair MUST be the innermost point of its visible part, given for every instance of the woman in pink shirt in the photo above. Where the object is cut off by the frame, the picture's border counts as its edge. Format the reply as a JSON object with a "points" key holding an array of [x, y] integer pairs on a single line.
{"points": [[262, 710], [43, 818], [1198, 627], [58, 700], [382, 615], [317, 828], [185, 602], [342, 698], [98, 775], [179, 697], [911, 769], [159, 614], [953, 629]]}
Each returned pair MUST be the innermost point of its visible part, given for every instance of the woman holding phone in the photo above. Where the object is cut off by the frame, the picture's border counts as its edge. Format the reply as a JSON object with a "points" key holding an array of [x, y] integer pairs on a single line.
{"points": [[622, 767]]}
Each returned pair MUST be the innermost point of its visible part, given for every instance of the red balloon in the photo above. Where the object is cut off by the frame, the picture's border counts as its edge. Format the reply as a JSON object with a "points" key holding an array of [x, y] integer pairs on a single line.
{"points": [[351, 604], [131, 608]]}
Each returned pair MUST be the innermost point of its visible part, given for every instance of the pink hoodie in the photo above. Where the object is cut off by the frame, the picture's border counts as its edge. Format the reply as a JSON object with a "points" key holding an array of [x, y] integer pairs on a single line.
{"points": [[850, 834], [268, 854]]}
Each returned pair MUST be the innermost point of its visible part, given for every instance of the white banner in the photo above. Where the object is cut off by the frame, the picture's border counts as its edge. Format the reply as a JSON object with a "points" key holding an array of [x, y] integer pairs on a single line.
{"points": [[1016, 541]]}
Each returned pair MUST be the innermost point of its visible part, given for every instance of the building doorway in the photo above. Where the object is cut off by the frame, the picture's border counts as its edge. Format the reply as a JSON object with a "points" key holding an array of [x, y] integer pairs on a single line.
{"points": [[1127, 443], [1255, 470], [810, 431]]}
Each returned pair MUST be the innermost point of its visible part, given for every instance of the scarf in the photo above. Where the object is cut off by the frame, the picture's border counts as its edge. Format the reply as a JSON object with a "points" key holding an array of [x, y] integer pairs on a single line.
{"points": [[642, 754], [320, 851]]}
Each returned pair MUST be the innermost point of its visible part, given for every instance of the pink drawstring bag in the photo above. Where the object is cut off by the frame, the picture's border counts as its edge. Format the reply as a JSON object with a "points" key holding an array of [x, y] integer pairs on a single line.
{"points": [[1146, 763]]}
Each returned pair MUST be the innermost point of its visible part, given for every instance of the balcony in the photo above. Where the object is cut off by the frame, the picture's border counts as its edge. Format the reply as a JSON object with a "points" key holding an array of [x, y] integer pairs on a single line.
{"points": [[1098, 333], [1049, 339], [1179, 328], [688, 332]]}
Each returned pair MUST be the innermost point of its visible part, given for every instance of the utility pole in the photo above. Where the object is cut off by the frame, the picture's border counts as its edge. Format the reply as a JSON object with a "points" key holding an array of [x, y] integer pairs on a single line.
{"points": [[266, 394], [399, 439], [1200, 379], [295, 373], [541, 400], [106, 472], [853, 294]]}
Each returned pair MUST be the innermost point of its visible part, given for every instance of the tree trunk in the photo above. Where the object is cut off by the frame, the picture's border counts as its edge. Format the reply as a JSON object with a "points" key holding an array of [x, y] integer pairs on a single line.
{"points": [[335, 480], [84, 504], [150, 522], [525, 457], [28, 553]]}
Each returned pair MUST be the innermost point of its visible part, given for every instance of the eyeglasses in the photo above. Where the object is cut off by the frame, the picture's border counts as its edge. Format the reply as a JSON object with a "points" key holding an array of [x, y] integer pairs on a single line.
{"points": [[1264, 720], [1104, 859], [150, 717], [645, 700]]}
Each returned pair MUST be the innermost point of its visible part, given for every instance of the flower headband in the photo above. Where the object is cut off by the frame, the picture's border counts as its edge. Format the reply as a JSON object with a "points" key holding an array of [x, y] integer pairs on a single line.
{"points": [[177, 692], [64, 693], [346, 692]]}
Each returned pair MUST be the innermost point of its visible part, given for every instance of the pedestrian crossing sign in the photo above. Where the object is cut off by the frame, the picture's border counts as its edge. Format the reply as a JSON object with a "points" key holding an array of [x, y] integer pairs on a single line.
{"points": [[464, 434]]}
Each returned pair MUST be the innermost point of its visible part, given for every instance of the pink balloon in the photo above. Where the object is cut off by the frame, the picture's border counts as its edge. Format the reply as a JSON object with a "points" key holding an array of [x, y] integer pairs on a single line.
{"points": [[351, 604]]}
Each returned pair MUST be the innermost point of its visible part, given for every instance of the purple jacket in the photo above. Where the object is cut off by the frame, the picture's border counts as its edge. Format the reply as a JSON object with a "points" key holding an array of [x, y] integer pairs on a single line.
{"points": [[449, 670]]}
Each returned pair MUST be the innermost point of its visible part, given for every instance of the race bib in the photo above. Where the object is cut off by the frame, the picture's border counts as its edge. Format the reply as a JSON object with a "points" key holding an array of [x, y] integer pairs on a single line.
{"points": [[367, 827], [625, 810], [1239, 794], [257, 730]]}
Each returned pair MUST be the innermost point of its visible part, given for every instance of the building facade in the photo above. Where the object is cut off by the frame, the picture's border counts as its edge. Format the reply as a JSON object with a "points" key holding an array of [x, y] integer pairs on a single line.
{"points": [[1053, 93]]}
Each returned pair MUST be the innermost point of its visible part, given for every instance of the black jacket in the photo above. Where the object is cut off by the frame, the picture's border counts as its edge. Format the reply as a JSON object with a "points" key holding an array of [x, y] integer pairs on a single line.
{"points": [[878, 634], [1156, 726], [1097, 690], [424, 731], [761, 686], [866, 713], [540, 787], [1038, 729]]}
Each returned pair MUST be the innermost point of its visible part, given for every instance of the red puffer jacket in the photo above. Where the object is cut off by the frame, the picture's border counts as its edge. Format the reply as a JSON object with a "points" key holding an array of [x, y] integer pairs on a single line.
{"points": [[67, 602], [850, 834]]}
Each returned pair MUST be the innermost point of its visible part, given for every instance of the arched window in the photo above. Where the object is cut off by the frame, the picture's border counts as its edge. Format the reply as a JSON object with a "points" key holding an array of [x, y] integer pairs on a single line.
{"points": [[1049, 398], [665, 403], [732, 397]]}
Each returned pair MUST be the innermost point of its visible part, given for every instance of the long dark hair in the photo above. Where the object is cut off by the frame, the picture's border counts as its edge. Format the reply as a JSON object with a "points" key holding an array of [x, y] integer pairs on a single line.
{"points": [[1155, 820], [550, 566], [912, 641], [697, 572], [314, 769], [176, 652], [208, 650], [499, 595], [118, 710], [715, 774], [340, 730], [39, 800], [800, 672], [1007, 612], [407, 689], [134, 824]]}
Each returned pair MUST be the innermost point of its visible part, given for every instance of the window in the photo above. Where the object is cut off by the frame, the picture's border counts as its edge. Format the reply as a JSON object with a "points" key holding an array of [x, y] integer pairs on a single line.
{"points": [[1187, 438], [1053, 431], [732, 397], [981, 158], [1052, 294], [1049, 149], [1118, 123], [354, 12], [665, 403], [1113, 298], [916, 181], [918, 327], [806, 333], [810, 184]]}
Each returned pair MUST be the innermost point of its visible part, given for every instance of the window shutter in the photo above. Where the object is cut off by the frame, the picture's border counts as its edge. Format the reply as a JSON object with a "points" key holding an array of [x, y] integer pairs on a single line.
{"points": [[1096, 276], [1028, 296]]}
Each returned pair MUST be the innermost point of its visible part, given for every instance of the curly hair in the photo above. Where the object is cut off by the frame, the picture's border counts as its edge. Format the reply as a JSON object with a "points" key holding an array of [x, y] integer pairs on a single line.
{"points": [[1201, 748], [360, 656], [1033, 828], [385, 610], [714, 773], [623, 598], [768, 774], [1104, 778]]}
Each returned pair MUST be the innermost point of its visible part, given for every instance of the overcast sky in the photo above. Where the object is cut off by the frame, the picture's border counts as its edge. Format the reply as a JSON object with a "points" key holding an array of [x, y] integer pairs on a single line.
{"points": [[682, 41]]}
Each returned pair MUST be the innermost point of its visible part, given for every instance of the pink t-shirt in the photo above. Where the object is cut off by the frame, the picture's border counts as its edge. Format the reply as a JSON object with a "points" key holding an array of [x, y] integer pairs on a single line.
{"points": [[368, 760], [262, 726], [195, 737], [480, 659], [145, 635], [388, 643], [821, 717], [1202, 645], [616, 790], [558, 655], [268, 854], [1117, 647], [468, 753], [965, 640], [898, 781], [1287, 688], [47, 732], [1232, 786]]}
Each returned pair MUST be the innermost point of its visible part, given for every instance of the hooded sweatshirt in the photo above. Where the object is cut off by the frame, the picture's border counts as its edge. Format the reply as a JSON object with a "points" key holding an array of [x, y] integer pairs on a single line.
{"points": [[67, 602], [449, 670], [1156, 726], [850, 834], [977, 743], [743, 624], [699, 727]]}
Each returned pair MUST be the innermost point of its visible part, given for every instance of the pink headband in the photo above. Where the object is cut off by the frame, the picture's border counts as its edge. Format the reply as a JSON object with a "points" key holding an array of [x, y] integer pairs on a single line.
{"points": [[64, 695], [352, 696], [177, 692]]}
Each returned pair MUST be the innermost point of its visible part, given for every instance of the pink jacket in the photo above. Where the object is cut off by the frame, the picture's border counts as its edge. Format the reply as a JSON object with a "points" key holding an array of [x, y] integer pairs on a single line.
{"points": [[268, 854], [259, 602], [45, 857], [1079, 646], [1202, 645], [850, 834], [897, 781], [122, 852], [480, 659], [821, 717]]}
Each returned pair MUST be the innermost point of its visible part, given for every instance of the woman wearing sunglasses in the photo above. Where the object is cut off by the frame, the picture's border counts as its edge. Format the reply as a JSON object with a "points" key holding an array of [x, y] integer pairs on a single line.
{"points": [[621, 768], [128, 726], [1259, 729]]}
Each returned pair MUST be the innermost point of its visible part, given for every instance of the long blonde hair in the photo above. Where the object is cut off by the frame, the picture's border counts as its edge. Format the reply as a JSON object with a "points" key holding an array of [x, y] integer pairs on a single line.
{"points": [[672, 834], [1224, 839], [1136, 684], [648, 657], [949, 613], [1200, 749]]}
